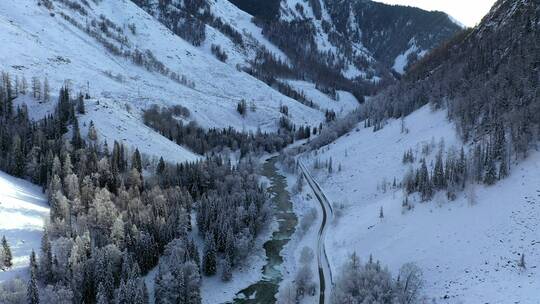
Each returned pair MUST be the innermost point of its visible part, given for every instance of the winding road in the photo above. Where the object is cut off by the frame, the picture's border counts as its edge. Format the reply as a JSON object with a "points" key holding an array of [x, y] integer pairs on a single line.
{"points": [[325, 272]]}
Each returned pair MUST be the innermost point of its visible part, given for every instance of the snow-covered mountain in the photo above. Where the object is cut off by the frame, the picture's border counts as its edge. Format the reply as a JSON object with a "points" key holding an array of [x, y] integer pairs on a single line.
{"points": [[365, 39], [129, 55], [121, 55]]}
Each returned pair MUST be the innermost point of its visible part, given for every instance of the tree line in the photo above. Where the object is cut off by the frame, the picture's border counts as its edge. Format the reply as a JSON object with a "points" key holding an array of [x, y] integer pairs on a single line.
{"points": [[203, 141]]}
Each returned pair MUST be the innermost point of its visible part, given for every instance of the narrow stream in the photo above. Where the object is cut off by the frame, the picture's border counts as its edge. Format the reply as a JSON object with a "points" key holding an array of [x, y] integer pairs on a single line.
{"points": [[264, 291]]}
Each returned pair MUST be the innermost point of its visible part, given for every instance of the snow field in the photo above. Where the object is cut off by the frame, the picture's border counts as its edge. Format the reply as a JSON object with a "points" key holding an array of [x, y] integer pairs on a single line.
{"points": [[345, 103], [23, 211]]}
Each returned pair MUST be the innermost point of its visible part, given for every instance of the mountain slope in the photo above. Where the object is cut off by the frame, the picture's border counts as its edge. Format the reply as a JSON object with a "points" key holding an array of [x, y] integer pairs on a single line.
{"points": [[443, 171], [468, 249], [488, 78], [362, 39], [117, 52]]}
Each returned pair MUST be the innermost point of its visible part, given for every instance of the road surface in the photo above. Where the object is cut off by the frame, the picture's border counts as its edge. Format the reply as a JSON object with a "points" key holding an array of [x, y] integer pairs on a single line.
{"points": [[325, 272]]}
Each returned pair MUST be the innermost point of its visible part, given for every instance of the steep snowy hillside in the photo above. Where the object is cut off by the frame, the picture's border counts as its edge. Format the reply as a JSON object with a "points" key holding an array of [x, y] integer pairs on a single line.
{"points": [[23, 211], [342, 103], [114, 50], [363, 40], [243, 23], [117, 120], [469, 249]]}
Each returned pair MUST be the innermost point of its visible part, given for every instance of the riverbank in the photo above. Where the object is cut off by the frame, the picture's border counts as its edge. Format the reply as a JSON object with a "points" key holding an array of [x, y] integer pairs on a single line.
{"points": [[265, 290]]}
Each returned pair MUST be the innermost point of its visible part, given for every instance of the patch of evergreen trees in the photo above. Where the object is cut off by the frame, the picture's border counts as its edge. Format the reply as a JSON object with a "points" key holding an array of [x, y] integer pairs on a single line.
{"points": [[485, 163], [203, 141], [6, 258]]}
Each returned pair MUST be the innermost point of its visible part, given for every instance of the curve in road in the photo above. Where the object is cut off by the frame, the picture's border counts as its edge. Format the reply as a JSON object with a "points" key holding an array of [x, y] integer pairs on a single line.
{"points": [[325, 272]]}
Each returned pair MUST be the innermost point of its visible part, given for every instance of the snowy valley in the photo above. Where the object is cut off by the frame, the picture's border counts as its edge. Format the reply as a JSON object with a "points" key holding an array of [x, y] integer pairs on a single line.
{"points": [[268, 151]]}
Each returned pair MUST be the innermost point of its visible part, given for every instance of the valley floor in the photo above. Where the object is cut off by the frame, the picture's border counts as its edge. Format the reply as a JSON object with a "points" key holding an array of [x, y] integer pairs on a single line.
{"points": [[468, 249]]}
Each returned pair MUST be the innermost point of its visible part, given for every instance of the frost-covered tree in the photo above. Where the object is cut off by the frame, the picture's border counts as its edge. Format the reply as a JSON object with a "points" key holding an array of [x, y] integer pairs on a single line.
{"points": [[46, 90], [490, 176], [209, 257], [36, 88], [45, 258], [364, 283], [92, 133], [81, 109], [178, 278], [5, 254], [32, 289], [287, 295], [304, 276], [409, 284]]}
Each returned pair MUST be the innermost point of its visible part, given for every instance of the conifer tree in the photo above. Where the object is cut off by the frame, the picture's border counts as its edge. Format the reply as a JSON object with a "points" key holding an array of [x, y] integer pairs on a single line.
{"points": [[6, 253], [499, 145], [241, 107], [36, 88], [424, 182], [32, 292], [491, 173], [439, 180], [209, 258], [24, 86], [503, 169], [160, 167], [19, 161], [33, 262], [76, 139], [46, 90], [101, 296], [462, 168], [80, 105], [92, 133], [136, 162], [45, 259]]}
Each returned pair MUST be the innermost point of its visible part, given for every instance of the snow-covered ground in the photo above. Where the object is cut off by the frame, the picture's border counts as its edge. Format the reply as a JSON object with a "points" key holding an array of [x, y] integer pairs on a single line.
{"points": [[23, 210], [303, 203], [469, 253], [402, 60], [345, 103]]}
